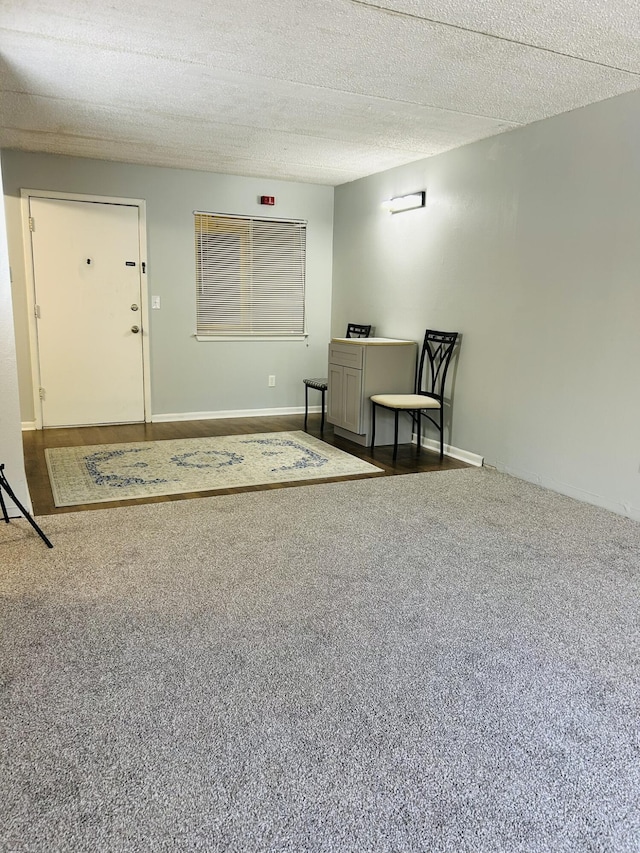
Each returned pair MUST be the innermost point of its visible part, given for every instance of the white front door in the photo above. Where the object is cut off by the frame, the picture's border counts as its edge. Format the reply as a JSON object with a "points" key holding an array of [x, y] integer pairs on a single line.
{"points": [[86, 264]]}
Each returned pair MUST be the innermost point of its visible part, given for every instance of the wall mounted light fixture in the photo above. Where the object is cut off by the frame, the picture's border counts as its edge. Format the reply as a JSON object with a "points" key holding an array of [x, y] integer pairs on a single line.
{"points": [[407, 202]]}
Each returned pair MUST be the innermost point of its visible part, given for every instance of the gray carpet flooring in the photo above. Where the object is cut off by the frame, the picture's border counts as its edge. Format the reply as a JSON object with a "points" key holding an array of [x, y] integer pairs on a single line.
{"points": [[432, 662]]}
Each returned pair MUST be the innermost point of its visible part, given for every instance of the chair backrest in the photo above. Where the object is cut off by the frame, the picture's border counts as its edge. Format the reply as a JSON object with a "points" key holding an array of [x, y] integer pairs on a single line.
{"points": [[357, 330], [435, 357]]}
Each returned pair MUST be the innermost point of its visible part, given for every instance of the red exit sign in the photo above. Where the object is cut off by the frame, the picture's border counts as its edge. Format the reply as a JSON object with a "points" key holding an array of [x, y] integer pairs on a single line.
{"points": [[268, 199]]}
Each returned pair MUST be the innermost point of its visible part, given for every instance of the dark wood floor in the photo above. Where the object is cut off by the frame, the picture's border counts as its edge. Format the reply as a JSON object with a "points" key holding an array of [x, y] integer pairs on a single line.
{"points": [[408, 461]]}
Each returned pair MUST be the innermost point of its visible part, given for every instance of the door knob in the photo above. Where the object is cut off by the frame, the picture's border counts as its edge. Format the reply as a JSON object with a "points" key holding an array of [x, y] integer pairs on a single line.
{"points": [[135, 329]]}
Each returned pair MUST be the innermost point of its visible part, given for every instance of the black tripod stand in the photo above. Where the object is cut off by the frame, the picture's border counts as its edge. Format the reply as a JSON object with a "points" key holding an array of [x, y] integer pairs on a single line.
{"points": [[4, 484]]}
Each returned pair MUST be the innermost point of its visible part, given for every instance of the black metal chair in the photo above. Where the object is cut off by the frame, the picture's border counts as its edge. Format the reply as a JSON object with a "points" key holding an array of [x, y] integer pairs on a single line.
{"points": [[354, 330], [431, 376]]}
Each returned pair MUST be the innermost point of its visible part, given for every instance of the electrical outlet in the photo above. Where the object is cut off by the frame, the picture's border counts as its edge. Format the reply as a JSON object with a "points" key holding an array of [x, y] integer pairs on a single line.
{"points": [[272, 381]]}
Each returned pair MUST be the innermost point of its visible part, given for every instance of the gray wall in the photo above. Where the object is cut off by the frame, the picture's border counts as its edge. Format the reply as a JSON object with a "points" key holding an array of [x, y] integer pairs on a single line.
{"points": [[188, 376], [530, 246], [10, 434]]}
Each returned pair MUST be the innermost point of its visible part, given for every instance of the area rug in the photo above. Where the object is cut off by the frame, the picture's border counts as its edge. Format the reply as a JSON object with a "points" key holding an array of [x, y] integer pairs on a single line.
{"points": [[113, 472]]}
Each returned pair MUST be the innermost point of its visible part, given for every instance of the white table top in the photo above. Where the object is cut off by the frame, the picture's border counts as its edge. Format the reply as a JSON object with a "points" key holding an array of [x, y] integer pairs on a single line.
{"points": [[371, 341]]}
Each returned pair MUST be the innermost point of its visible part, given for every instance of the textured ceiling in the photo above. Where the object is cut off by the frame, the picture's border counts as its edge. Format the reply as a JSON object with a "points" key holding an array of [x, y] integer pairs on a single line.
{"points": [[323, 91]]}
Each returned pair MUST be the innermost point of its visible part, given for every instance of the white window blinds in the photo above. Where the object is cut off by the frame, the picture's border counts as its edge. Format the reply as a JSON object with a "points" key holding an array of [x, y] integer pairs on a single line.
{"points": [[250, 276]]}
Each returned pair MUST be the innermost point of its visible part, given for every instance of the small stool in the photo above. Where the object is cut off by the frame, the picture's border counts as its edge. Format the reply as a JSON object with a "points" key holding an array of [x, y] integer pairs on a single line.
{"points": [[319, 385], [354, 330]]}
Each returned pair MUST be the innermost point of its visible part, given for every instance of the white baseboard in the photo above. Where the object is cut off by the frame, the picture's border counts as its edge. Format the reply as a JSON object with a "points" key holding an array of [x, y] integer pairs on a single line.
{"points": [[237, 413], [454, 452], [205, 416], [619, 507]]}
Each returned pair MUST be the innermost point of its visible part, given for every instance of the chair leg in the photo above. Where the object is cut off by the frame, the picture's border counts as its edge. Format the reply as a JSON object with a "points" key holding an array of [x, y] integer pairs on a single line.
{"points": [[441, 434], [395, 434], [322, 418], [419, 431], [306, 405], [373, 425]]}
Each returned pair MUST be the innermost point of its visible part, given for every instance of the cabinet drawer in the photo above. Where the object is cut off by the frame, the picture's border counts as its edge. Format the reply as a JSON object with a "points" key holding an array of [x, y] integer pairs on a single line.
{"points": [[347, 355]]}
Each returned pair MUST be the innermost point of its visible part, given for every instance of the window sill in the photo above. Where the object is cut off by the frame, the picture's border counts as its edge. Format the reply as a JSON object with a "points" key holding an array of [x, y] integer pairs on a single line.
{"points": [[279, 338]]}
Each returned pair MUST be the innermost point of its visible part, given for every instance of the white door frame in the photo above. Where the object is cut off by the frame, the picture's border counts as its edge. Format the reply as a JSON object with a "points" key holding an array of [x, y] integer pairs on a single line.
{"points": [[31, 288]]}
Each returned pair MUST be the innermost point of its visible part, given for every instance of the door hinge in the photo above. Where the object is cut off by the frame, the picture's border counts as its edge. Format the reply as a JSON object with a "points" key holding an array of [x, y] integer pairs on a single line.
{"points": [[144, 267], [41, 393], [32, 224], [36, 311]]}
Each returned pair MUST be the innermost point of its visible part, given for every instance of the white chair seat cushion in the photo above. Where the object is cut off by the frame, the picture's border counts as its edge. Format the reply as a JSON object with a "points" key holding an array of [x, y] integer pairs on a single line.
{"points": [[405, 401]]}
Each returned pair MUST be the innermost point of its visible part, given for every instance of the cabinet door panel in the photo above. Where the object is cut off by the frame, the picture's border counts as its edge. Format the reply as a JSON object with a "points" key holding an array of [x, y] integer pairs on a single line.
{"points": [[352, 395], [335, 399]]}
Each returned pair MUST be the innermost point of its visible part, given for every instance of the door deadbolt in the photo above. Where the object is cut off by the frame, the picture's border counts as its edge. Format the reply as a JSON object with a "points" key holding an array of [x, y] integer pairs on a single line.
{"points": [[134, 307], [135, 329]]}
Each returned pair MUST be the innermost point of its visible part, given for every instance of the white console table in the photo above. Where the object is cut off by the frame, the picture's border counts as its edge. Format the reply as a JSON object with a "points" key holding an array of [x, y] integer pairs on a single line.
{"points": [[360, 367]]}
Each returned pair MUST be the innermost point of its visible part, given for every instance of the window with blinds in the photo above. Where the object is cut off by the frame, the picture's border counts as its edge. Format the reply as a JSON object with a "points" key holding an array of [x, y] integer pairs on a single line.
{"points": [[250, 276]]}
